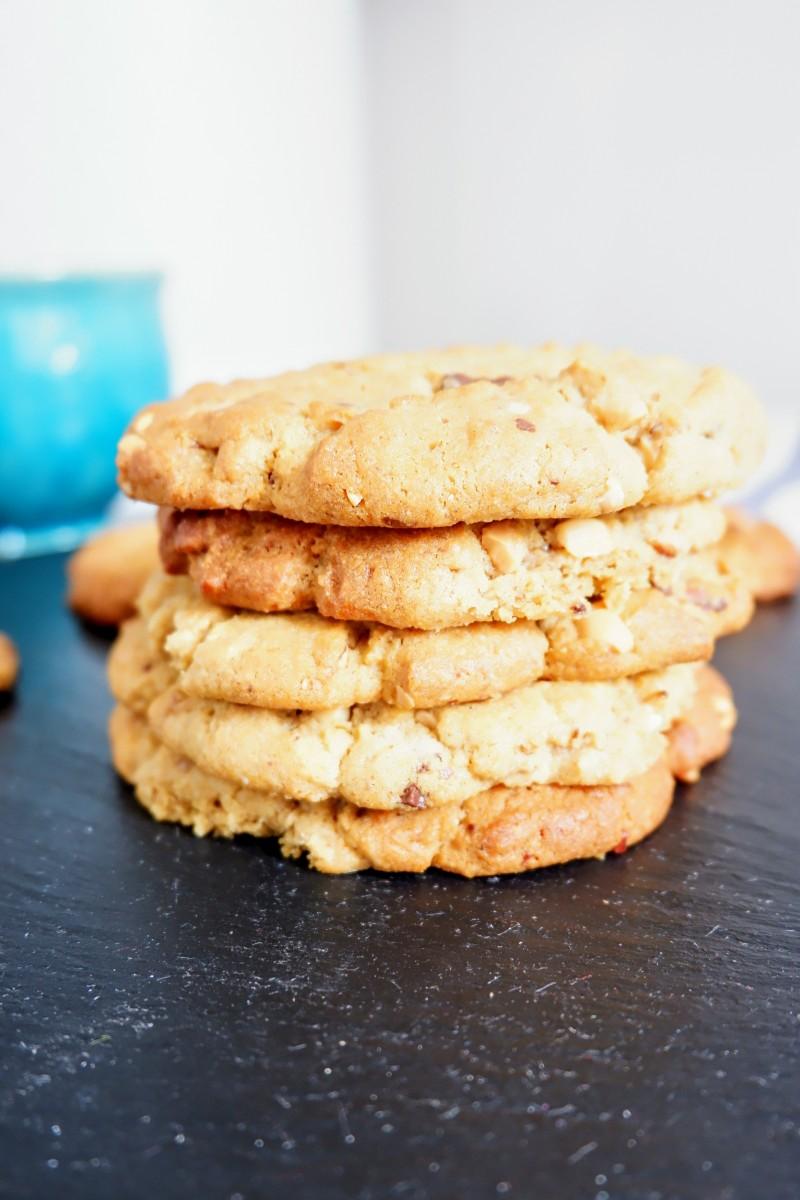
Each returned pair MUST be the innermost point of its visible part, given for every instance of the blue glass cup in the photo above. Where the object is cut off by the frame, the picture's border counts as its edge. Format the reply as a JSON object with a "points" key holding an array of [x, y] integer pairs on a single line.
{"points": [[78, 356]]}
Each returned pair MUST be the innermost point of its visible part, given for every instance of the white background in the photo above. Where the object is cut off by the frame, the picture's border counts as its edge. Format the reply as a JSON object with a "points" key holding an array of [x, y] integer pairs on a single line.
{"points": [[323, 177], [219, 140]]}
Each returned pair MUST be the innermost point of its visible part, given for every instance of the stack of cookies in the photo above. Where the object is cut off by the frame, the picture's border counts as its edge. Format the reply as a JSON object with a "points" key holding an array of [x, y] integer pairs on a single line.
{"points": [[443, 609]]}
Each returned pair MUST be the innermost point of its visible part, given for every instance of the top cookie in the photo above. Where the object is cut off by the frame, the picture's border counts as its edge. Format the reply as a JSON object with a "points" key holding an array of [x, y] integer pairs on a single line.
{"points": [[432, 439]]}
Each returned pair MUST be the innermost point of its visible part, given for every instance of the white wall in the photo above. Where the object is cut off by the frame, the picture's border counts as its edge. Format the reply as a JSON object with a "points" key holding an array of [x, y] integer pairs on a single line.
{"points": [[220, 141], [621, 170], [319, 177]]}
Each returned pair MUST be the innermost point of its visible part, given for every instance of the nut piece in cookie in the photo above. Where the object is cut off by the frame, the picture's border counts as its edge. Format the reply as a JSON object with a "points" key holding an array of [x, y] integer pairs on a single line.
{"points": [[108, 572], [9, 663]]}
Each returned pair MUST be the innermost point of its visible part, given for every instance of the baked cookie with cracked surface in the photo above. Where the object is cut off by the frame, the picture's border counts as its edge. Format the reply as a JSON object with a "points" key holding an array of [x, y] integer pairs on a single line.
{"points": [[9, 663], [305, 661], [436, 438], [378, 756], [760, 553], [440, 578], [107, 573], [498, 831]]}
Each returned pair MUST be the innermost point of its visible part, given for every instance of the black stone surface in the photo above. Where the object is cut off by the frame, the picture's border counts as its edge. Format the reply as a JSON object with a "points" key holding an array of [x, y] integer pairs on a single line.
{"points": [[195, 1018]]}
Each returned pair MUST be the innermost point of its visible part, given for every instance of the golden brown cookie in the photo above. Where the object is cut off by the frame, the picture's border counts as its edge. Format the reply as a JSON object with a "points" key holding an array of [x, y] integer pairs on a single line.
{"points": [[762, 555], [303, 660], [432, 439], [380, 756], [441, 578], [498, 831], [9, 663], [703, 731], [107, 573]]}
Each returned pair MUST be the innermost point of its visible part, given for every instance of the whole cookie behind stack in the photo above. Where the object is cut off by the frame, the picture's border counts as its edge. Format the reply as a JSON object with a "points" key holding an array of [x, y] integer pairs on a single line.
{"points": [[435, 609]]}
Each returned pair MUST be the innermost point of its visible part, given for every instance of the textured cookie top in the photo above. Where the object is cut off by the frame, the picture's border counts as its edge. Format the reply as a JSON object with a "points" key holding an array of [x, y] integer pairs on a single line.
{"points": [[432, 439]]}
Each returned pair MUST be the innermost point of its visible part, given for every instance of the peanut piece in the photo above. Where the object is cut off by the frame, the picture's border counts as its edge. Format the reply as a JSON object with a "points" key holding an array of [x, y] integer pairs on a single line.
{"points": [[584, 537]]}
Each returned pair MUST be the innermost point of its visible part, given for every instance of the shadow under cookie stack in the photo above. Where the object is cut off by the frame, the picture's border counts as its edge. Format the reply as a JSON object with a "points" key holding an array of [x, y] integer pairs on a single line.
{"points": [[445, 609]]}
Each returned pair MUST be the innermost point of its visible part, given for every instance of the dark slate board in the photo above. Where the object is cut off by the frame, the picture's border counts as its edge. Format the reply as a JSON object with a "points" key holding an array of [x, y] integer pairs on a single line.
{"points": [[187, 1018]]}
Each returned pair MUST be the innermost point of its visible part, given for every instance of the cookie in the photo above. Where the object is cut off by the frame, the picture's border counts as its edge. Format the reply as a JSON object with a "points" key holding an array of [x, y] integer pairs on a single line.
{"points": [[498, 831], [107, 573], [702, 732], [137, 669], [303, 660], [9, 663], [760, 553], [464, 435], [441, 578], [378, 756]]}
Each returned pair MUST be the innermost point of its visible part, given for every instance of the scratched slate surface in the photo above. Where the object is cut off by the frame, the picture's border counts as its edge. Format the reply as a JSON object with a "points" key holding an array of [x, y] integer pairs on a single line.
{"points": [[189, 1018]]}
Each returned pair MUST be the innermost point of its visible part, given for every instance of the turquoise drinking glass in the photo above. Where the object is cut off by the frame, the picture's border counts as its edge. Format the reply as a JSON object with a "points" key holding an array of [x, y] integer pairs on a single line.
{"points": [[78, 356]]}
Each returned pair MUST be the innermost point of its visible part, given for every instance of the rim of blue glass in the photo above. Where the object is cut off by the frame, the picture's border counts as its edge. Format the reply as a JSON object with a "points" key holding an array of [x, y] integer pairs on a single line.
{"points": [[46, 279]]}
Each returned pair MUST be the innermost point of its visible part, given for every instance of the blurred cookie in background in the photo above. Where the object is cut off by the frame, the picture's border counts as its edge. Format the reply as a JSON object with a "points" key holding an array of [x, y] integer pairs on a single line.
{"points": [[762, 555], [108, 572]]}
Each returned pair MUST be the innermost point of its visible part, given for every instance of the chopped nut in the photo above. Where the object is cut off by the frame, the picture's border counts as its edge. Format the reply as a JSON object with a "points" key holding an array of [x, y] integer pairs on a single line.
{"points": [[616, 402], [130, 443], [613, 497], [653, 719], [412, 797], [505, 546], [701, 598], [143, 422], [584, 537], [355, 498], [458, 380], [398, 696], [624, 406], [455, 380], [589, 383], [606, 628]]}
